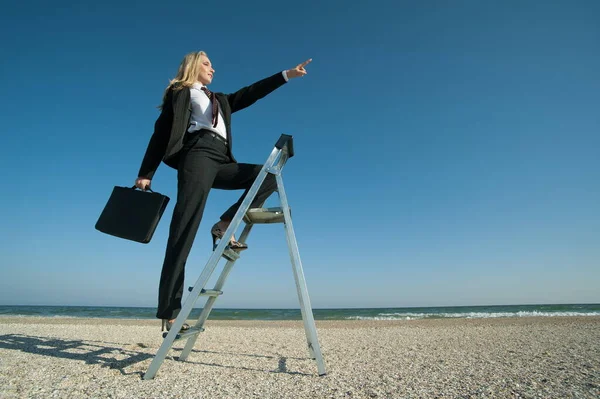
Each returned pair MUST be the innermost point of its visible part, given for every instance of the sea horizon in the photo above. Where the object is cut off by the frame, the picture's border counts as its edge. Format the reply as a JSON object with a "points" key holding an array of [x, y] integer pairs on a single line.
{"points": [[366, 313]]}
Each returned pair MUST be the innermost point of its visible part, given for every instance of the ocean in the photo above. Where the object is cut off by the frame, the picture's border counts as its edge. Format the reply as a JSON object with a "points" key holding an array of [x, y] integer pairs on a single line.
{"points": [[413, 313]]}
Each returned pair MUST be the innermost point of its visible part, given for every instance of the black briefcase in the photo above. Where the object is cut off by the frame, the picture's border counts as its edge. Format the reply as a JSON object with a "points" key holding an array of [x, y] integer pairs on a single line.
{"points": [[132, 214]]}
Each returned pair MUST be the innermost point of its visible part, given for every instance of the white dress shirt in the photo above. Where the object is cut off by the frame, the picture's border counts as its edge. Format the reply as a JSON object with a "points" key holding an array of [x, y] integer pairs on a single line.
{"points": [[202, 111]]}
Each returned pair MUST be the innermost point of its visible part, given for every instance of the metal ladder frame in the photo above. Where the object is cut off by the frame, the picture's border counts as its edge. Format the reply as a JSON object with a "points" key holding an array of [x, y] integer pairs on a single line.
{"points": [[282, 151]]}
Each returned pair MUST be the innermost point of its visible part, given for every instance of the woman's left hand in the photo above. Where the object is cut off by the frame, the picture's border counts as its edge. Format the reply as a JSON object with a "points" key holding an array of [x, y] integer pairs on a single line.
{"points": [[298, 70]]}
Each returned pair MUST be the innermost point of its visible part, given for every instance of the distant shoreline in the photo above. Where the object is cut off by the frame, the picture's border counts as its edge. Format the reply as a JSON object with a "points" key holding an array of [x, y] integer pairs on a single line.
{"points": [[320, 314], [99, 321]]}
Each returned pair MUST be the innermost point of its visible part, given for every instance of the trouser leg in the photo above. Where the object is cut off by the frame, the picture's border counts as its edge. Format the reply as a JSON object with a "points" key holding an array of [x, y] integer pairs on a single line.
{"points": [[235, 176], [195, 176]]}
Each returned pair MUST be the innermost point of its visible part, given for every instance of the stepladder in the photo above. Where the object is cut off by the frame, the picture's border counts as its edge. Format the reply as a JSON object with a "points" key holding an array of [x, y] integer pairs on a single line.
{"points": [[282, 151]]}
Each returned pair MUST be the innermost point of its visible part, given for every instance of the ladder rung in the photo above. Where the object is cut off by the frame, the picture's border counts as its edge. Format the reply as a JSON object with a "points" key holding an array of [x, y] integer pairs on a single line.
{"points": [[264, 215], [207, 292], [230, 254], [189, 333]]}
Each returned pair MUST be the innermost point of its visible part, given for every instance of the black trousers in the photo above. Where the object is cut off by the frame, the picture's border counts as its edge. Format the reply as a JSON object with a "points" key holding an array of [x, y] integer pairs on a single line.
{"points": [[204, 164]]}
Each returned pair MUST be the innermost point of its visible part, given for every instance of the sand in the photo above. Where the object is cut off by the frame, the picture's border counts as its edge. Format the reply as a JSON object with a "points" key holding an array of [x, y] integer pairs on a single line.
{"points": [[540, 357]]}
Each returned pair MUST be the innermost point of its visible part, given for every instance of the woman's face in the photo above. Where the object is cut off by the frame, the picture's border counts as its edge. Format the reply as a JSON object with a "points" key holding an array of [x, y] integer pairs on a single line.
{"points": [[206, 71]]}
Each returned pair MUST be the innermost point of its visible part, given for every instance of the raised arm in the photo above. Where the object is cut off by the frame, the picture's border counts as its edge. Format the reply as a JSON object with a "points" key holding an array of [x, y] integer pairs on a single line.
{"points": [[248, 95]]}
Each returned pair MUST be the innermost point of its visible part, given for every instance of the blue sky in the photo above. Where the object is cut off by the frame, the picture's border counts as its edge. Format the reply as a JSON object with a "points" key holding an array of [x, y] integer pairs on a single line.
{"points": [[446, 153]]}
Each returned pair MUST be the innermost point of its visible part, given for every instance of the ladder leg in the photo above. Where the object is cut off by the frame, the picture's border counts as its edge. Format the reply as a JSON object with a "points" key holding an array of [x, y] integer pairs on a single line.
{"points": [[211, 301], [305, 307]]}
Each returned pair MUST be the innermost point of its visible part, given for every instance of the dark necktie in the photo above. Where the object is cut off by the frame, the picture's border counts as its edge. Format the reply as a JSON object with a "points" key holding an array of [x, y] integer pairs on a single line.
{"points": [[215, 105]]}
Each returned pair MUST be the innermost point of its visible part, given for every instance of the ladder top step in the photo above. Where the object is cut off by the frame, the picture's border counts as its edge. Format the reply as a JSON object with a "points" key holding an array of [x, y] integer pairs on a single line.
{"points": [[286, 139], [264, 215]]}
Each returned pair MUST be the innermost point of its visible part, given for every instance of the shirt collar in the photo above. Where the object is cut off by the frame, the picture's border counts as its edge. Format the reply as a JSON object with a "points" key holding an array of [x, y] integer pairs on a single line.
{"points": [[198, 85]]}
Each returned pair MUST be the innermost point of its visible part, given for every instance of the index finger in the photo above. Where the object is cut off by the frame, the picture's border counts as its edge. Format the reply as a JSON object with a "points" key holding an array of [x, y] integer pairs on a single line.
{"points": [[306, 62]]}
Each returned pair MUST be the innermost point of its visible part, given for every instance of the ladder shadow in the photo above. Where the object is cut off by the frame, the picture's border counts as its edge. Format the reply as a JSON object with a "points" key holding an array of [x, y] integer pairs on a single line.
{"points": [[90, 352], [281, 362]]}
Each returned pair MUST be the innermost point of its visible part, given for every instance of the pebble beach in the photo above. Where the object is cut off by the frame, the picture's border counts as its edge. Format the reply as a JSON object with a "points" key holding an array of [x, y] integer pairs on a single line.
{"points": [[529, 357]]}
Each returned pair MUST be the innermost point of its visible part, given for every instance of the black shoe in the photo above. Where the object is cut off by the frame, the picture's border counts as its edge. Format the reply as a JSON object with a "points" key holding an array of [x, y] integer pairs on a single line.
{"points": [[167, 324], [216, 232]]}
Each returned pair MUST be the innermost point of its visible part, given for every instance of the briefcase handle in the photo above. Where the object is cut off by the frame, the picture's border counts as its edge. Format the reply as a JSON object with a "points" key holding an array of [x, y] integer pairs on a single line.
{"points": [[148, 189]]}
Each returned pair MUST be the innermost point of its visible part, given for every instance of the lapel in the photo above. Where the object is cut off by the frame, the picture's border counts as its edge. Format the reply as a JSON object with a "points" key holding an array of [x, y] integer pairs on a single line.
{"points": [[224, 106], [182, 111]]}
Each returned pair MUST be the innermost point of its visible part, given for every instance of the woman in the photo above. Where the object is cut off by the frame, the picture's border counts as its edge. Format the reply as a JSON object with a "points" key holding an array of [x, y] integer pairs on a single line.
{"points": [[193, 135]]}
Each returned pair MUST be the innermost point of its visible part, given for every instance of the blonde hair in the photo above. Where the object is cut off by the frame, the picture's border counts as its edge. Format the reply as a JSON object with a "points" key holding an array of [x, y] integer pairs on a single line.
{"points": [[188, 72]]}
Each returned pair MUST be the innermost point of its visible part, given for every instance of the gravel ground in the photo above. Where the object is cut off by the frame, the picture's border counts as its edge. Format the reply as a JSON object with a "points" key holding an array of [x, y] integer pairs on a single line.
{"points": [[541, 357]]}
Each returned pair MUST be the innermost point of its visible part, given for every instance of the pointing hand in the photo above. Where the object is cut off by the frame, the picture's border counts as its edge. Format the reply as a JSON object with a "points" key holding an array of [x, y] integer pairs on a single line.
{"points": [[298, 70]]}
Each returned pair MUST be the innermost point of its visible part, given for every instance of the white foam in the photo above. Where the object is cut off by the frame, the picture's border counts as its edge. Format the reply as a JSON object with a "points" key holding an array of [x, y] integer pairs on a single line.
{"points": [[469, 315]]}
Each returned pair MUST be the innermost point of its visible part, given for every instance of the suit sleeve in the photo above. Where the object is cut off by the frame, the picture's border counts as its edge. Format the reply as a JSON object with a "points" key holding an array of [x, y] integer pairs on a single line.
{"points": [[157, 146], [248, 95]]}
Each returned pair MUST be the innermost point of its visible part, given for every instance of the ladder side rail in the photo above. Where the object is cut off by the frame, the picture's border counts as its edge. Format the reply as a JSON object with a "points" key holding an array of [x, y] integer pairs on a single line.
{"points": [[291, 253], [309, 322], [211, 301], [277, 169]]}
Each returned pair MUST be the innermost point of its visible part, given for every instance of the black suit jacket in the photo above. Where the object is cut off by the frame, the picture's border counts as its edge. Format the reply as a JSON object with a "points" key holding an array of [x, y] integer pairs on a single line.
{"points": [[174, 120]]}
